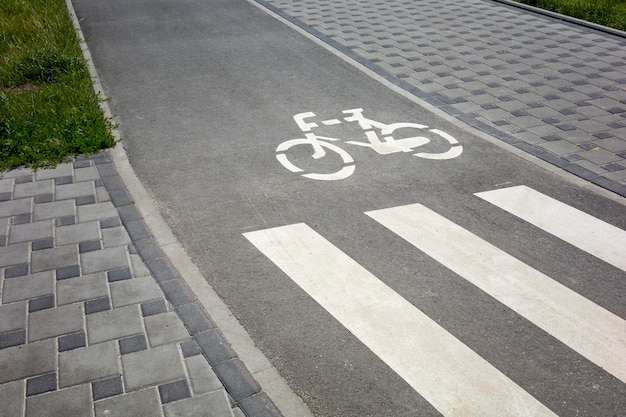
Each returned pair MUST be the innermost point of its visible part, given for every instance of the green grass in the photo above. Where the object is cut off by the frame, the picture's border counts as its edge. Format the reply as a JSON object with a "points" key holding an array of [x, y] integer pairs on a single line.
{"points": [[48, 109], [611, 13]]}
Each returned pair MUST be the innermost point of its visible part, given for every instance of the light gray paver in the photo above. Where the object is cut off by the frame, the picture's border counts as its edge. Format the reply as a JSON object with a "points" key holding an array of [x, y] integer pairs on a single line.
{"points": [[115, 236], [86, 174], [139, 403], [48, 259], [134, 291], [28, 286], [151, 367], [70, 402], [78, 366], [165, 328], [202, 377], [104, 260], [55, 321], [12, 398], [208, 405], [96, 211], [61, 170], [30, 189], [28, 232], [53, 210], [13, 316], [114, 324], [82, 288], [66, 191], [27, 360], [6, 185], [15, 207], [77, 233]]}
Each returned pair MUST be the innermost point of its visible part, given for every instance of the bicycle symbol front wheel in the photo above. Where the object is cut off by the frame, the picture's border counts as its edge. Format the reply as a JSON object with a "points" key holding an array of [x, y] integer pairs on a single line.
{"points": [[343, 172]]}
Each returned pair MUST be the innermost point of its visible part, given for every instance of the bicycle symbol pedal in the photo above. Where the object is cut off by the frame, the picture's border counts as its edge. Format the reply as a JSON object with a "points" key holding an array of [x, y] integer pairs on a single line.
{"points": [[320, 144]]}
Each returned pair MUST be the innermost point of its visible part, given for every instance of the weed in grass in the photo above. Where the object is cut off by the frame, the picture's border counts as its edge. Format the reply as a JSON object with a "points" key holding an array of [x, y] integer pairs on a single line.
{"points": [[48, 110]]}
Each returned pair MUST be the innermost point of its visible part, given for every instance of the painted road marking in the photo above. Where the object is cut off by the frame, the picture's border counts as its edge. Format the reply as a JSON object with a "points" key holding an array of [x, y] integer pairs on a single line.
{"points": [[587, 328], [447, 373], [331, 122], [577, 228]]}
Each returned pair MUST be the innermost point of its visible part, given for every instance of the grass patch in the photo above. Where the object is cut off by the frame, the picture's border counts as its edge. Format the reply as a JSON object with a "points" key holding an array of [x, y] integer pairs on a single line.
{"points": [[48, 109], [610, 13]]}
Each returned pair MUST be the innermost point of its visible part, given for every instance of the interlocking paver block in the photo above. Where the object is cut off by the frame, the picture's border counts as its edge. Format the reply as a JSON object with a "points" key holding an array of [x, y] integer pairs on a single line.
{"points": [[107, 387], [211, 404], [139, 403], [202, 377], [12, 338], [53, 210], [27, 360], [133, 344], [48, 259], [55, 322], [103, 260], [70, 402], [61, 170], [194, 317], [86, 174], [87, 364], [77, 233], [72, 341], [15, 207], [42, 383], [153, 307], [6, 185], [152, 367], [165, 328], [30, 231], [82, 288], [29, 286], [12, 398], [31, 189], [14, 254], [237, 379], [133, 291], [174, 391], [114, 324], [96, 211], [115, 236], [12, 316], [67, 191]]}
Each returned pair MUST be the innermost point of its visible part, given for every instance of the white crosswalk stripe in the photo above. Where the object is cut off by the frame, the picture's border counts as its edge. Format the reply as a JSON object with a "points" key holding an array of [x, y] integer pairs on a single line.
{"points": [[577, 228], [453, 378], [446, 372]]}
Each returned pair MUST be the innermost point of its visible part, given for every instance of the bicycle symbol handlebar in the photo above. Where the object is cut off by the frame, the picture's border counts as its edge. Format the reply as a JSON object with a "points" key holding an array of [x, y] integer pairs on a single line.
{"points": [[388, 145]]}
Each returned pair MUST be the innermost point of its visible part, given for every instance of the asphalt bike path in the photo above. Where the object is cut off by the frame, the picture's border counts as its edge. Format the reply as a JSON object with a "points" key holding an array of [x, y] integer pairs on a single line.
{"points": [[360, 239]]}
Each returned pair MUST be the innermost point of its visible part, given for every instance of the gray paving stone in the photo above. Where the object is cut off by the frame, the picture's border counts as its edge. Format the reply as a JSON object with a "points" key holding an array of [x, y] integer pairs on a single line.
{"points": [[209, 405], [114, 324], [86, 174], [71, 402], [72, 341], [15, 207], [115, 236], [67, 191], [133, 344], [61, 170], [87, 364], [12, 338], [165, 328], [96, 211], [237, 379], [29, 286], [103, 260], [40, 384], [53, 210], [106, 388], [194, 317], [174, 391], [27, 360], [55, 322], [31, 189], [16, 270], [30, 231], [6, 185], [77, 233], [12, 397], [13, 316], [133, 291], [14, 254], [41, 303], [202, 377], [139, 403], [82, 288], [560, 147], [119, 274], [152, 367], [49, 259], [139, 268]]}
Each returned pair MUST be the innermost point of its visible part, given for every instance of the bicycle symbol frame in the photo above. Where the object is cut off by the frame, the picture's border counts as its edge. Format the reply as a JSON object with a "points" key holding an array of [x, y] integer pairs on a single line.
{"points": [[387, 145]]}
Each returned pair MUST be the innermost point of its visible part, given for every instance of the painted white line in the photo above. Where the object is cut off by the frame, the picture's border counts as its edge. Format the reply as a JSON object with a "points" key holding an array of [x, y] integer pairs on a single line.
{"points": [[448, 374], [331, 122], [587, 328], [577, 228]]}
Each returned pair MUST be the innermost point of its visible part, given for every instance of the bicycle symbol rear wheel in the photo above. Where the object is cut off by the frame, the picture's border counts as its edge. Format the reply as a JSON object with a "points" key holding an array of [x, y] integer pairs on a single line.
{"points": [[345, 171]]}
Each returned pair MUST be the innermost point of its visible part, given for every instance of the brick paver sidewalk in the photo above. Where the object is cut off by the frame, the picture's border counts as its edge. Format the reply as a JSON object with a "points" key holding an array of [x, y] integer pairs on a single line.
{"points": [[94, 320], [553, 89]]}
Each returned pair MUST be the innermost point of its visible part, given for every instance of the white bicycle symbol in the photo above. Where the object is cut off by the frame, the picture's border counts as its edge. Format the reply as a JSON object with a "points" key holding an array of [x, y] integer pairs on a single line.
{"points": [[388, 145]]}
